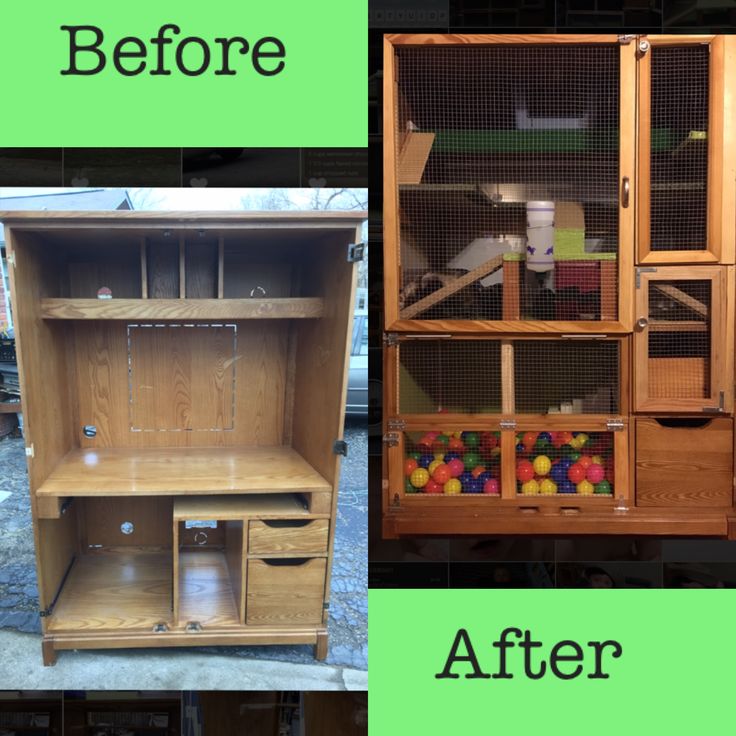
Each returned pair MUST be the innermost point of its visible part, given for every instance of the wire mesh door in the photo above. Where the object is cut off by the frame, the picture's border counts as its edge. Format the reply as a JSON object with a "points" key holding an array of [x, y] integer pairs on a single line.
{"points": [[677, 146], [508, 170], [678, 367]]}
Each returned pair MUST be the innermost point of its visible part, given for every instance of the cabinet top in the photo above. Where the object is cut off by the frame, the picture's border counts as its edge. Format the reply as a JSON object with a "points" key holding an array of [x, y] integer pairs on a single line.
{"points": [[181, 219]]}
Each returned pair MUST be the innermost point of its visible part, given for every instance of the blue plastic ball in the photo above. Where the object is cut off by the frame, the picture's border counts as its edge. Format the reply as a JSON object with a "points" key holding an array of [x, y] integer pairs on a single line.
{"points": [[483, 477], [546, 436], [425, 461], [452, 456], [566, 487], [559, 473], [520, 449], [473, 486], [466, 478]]}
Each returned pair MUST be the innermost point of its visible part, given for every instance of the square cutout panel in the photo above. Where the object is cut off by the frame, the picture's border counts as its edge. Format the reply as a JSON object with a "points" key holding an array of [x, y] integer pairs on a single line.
{"points": [[182, 377]]}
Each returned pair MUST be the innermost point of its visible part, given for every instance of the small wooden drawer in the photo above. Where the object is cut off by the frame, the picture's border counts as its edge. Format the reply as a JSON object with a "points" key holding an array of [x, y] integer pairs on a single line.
{"points": [[684, 462], [285, 591], [297, 536]]}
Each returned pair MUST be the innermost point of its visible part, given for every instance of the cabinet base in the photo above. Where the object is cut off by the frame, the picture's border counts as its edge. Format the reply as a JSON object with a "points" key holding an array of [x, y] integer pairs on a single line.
{"points": [[51, 645]]}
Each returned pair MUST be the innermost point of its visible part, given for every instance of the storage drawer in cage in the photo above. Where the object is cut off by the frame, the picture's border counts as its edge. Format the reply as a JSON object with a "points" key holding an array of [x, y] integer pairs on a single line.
{"points": [[445, 462], [682, 362], [570, 461], [538, 376]]}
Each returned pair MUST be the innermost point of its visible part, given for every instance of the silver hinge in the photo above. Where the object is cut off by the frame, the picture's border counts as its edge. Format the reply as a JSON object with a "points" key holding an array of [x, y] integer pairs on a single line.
{"points": [[45, 612], [396, 424], [391, 439], [193, 627], [11, 259], [508, 424], [356, 252], [626, 38], [641, 270], [716, 409], [326, 606], [30, 451], [160, 628], [390, 339], [614, 425], [340, 447]]}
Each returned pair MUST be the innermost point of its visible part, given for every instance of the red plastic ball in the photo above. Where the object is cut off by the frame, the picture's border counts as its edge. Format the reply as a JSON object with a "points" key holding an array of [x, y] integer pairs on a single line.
{"points": [[432, 487], [595, 473], [410, 465], [441, 474], [576, 473], [586, 461], [455, 445], [491, 486], [456, 467], [524, 471]]}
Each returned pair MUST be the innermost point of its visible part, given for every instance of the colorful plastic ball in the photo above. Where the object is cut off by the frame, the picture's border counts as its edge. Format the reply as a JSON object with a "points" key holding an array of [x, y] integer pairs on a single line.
{"points": [[419, 478], [530, 488], [408, 487], [521, 449], [546, 436], [465, 478], [564, 438], [528, 439], [425, 460], [433, 487], [475, 486], [415, 455], [582, 438], [575, 443], [455, 444], [425, 442], [439, 456], [597, 459], [471, 459], [542, 465], [559, 471], [441, 441], [483, 477], [410, 465], [441, 474], [566, 487], [576, 473], [574, 456], [524, 471], [452, 487], [478, 470], [595, 473], [554, 438], [586, 461], [451, 456], [433, 466], [491, 486], [456, 467], [603, 487], [471, 439], [585, 488], [488, 441], [542, 445], [548, 487]]}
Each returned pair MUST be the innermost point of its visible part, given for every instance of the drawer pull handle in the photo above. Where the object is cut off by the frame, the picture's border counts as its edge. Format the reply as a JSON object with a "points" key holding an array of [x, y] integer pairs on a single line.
{"points": [[529, 509], [569, 510], [286, 523], [293, 562], [193, 627]]}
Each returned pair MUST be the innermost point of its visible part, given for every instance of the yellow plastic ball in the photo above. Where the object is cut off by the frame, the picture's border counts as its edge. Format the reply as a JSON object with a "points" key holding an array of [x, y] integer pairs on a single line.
{"points": [[495, 451], [584, 488], [542, 465], [548, 487], [452, 487], [530, 488], [419, 478], [439, 456], [575, 442], [457, 435], [582, 438], [433, 466], [597, 459]]}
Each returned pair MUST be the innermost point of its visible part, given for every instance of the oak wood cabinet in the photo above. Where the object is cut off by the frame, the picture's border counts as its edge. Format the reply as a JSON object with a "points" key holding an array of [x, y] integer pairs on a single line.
{"points": [[184, 379]]}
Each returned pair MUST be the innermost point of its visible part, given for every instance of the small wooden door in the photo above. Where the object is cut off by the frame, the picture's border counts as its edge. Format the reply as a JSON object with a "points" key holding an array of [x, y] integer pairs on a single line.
{"points": [[682, 362], [685, 160]]}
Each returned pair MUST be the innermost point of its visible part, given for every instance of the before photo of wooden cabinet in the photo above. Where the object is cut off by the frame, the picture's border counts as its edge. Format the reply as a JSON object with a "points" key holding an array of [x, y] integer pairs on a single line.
{"points": [[559, 240], [184, 379]]}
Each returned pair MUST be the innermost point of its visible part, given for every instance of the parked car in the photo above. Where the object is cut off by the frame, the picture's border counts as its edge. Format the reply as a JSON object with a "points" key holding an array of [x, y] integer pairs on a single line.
{"points": [[358, 379]]}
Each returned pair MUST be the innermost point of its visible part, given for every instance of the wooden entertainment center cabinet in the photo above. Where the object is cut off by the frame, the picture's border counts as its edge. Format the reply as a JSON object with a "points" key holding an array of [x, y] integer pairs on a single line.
{"points": [[184, 379], [559, 238]]}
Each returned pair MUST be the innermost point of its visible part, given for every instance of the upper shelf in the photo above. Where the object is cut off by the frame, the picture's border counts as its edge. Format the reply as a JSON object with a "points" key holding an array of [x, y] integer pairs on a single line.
{"points": [[182, 471], [281, 308]]}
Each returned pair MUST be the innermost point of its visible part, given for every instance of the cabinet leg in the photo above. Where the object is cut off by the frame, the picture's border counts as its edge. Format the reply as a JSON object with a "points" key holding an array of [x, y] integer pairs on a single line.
{"points": [[320, 648], [49, 653]]}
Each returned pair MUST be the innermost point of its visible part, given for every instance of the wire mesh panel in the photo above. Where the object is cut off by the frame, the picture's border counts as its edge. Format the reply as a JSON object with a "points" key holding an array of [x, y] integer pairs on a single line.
{"points": [[452, 463], [508, 171], [679, 349], [679, 150], [567, 377], [551, 463], [462, 376]]}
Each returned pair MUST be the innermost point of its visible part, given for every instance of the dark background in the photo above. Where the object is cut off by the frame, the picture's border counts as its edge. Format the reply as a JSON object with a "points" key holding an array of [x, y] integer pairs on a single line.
{"points": [[520, 562]]}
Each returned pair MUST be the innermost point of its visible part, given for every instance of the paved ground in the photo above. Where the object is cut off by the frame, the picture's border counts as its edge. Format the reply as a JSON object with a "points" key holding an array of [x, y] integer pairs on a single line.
{"points": [[348, 627]]}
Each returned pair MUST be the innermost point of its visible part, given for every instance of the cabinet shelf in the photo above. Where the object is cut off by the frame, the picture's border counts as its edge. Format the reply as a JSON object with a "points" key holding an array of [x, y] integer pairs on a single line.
{"points": [[166, 309], [183, 470], [239, 507]]}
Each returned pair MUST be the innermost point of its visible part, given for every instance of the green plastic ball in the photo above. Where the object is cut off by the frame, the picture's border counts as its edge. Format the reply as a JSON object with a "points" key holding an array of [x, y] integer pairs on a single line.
{"points": [[471, 439], [471, 459], [603, 487], [408, 487]]}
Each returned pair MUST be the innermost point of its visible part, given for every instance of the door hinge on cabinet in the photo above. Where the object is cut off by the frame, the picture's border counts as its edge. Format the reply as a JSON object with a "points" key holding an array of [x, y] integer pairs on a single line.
{"points": [[508, 424], [326, 605], [643, 269], [614, 425], [717, 409], [356, 252], [340, 447], [390, 339], [30, 451], [391, 439], [11, 259], [396, 424], [626, 38]]}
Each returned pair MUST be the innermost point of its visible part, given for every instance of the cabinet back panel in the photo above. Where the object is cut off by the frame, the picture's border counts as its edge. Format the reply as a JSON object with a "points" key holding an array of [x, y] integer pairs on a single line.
{"points": [[162, 269], [201, 270], [150, 517], [259, 366]]}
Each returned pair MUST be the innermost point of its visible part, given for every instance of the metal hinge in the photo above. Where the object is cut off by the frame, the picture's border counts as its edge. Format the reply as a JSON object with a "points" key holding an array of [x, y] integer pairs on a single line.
{"points": [[626, 38], [11, 259], [340, 447], [614, 425], [30, 451], [390, 339], [356, 252], [193, 627], [397, 500], [326, 606], [396, 424], [641, 270], [508, 424], [391, 439], [716, 409], [46, 612], [160, 628]]}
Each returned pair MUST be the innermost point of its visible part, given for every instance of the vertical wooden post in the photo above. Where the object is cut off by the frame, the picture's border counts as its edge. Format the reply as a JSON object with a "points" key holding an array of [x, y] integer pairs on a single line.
{"points": [[508, 464], [511, 290], [609, 290], [508, 385]]}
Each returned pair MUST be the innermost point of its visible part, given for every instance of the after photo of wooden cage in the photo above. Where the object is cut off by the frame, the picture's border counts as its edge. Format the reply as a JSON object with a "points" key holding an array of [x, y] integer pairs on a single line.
{"points": [[559, 243]]}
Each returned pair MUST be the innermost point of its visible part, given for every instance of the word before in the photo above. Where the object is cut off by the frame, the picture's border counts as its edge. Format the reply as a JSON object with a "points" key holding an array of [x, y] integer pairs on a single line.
{"points": [[566, 658], [192, 55]]}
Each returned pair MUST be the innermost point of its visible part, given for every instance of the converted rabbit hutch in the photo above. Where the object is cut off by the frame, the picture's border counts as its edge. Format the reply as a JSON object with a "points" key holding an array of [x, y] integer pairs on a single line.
{"points": [[559, 228], [184, 379]]}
